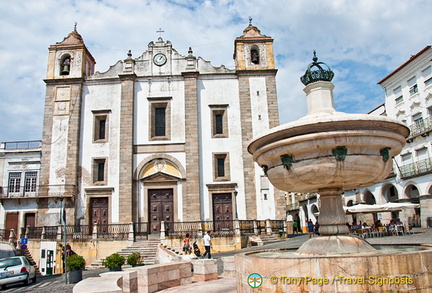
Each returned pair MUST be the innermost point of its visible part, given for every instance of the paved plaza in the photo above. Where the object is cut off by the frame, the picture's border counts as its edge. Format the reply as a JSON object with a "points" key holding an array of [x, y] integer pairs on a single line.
{"points": [[226, 285]]}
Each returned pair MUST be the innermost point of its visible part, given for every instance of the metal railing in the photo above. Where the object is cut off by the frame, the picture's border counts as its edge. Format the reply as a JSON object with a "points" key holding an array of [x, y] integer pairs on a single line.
{"points": [[247, 226], [23, 190], [420, 127], [197, 228], [140, 230], [22, 145], [416, 168], [182, 228], [277, 226]]}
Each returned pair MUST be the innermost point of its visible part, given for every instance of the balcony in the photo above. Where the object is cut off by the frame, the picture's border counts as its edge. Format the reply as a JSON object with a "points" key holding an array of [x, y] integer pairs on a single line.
{"points": [[422, 128], [37, 191], [21, 145], [416, 169], [293, 206]]}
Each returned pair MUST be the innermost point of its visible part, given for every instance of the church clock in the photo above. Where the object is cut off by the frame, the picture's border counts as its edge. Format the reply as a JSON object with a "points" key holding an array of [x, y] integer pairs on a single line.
{"points": [[159, 59]]}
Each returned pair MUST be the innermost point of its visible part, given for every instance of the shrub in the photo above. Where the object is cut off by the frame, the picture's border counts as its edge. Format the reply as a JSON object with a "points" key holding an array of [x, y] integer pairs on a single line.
{"points": [[75, 262], [115, 260], [134, 259]]}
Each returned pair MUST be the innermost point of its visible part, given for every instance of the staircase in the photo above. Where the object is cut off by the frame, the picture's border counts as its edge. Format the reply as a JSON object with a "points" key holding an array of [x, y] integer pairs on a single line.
{"points": [[146, 248], [26, 253], [268, 239]]}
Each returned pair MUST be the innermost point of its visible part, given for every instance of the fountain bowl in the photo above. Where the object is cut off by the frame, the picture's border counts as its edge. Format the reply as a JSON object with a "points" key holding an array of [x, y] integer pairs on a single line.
{"points": [[310, 147]]}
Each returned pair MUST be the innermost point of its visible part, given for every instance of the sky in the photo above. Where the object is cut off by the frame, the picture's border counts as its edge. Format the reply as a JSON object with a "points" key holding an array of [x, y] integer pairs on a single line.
{"points": [[362, 41]]}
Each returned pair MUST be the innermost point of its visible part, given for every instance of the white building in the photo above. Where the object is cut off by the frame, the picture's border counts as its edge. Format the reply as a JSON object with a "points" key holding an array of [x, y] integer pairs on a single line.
{"points": [[160, 137], [20, 171], [408, 97]]}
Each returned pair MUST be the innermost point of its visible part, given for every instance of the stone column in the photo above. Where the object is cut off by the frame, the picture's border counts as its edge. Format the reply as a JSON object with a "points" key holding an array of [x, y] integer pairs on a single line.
{"points": [[332, 219]]}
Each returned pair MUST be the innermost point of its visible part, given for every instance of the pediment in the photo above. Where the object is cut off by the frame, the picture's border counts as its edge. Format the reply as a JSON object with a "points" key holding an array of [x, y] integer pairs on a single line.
{"points": [[160, 177]]}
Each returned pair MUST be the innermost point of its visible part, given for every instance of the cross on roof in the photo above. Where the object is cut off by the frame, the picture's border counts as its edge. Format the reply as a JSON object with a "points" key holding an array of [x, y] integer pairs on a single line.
{"points": [[160, 31]]}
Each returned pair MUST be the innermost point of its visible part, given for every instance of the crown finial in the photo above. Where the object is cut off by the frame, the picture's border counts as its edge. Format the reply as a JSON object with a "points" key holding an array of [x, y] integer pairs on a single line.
{"points": [[316, 72]]}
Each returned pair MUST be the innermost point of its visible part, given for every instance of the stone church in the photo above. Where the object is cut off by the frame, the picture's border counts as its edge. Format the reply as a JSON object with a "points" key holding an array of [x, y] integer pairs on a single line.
{"points": [[160, 137]]}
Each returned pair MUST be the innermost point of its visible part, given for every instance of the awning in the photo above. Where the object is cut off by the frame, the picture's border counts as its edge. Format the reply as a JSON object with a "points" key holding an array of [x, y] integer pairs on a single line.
{"points": [[379, 208]]}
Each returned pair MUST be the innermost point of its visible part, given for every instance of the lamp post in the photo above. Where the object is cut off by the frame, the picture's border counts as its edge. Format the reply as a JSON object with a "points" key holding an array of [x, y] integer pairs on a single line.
{"points": [[235, 197], [63, 219]]}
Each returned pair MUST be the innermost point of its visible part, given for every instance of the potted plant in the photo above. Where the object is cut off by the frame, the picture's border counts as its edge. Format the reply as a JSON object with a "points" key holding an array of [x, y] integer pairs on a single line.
{"points": [[75, 264], [134, 259], [114, 262]]}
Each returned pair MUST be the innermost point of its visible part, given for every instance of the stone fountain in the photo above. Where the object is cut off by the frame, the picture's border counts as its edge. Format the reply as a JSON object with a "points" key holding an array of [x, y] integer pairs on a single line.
{"points": [[328, 152]]}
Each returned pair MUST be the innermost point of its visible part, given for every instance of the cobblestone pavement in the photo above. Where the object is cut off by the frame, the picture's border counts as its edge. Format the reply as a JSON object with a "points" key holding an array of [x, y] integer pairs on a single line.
{"points": [[56, 283]]}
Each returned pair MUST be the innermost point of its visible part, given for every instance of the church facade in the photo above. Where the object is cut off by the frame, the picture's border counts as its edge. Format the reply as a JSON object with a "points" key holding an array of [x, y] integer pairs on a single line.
{"points": [[160, 137]]}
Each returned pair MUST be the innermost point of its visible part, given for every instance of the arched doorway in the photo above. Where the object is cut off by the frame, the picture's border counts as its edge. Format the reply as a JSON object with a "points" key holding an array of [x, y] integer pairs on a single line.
{"points": [[159, 193]]}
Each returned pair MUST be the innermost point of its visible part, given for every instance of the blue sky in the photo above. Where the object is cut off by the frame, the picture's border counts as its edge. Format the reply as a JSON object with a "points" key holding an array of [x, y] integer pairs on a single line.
{"points": [[362, 41]]}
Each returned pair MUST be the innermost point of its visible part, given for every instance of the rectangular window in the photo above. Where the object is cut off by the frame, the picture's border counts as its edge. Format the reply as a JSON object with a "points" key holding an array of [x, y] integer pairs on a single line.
{"points": [[14, 182], [160, 122], [100, 127], [428, 81], [221, 167], [218, 124], [99, 171], [413, 89], [399, 100], [30, 182], [397, 90], [159, 118], [219, 121]]}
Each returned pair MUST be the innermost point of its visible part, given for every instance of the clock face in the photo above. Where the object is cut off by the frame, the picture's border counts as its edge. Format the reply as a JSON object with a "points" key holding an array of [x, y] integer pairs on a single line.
{"points": [[159, 59]]}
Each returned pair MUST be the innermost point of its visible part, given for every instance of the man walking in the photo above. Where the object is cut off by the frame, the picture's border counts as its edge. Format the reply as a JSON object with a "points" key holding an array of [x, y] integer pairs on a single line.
{"points": [[207, 245]]}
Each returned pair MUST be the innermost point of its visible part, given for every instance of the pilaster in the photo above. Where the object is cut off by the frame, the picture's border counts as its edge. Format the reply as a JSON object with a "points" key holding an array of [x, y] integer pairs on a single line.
{"points": [[192, 200], [126, 148]]}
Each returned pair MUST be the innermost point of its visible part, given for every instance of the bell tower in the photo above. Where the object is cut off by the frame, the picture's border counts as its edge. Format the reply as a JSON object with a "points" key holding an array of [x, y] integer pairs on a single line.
{"points": [[253, 50], [255, 68], [69, 63], [70, 58]]}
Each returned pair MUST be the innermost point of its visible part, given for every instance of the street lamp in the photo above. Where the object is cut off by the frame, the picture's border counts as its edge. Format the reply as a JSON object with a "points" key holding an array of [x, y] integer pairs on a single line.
{"points": [[235, 196], [63, 219]]}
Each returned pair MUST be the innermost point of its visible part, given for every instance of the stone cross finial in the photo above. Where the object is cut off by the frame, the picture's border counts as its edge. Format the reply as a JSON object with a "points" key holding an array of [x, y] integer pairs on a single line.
{"points": [[160, 31]]}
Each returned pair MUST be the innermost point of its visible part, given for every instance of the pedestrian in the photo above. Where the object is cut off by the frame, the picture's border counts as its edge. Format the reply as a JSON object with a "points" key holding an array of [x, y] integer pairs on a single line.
{"points": [[295, 227], [69, 252], [311, 228], [317, 229], [186, 245], [207, 245]]}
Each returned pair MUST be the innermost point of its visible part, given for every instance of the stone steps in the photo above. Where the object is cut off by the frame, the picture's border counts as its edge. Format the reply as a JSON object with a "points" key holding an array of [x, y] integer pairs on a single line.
{"points": [[146, 248]]}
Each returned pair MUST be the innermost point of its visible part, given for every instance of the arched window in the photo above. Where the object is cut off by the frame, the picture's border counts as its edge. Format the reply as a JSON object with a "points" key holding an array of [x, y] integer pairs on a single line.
{"points": [[65, 65], [255, 58]]}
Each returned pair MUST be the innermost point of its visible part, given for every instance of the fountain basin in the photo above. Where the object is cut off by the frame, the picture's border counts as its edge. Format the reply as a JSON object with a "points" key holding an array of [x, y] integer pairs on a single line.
{"points": [[310, 145], [392, 269]]}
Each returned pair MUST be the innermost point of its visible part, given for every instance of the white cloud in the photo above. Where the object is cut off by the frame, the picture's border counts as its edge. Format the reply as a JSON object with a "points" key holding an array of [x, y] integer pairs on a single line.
{"points": [[362, 40]]}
